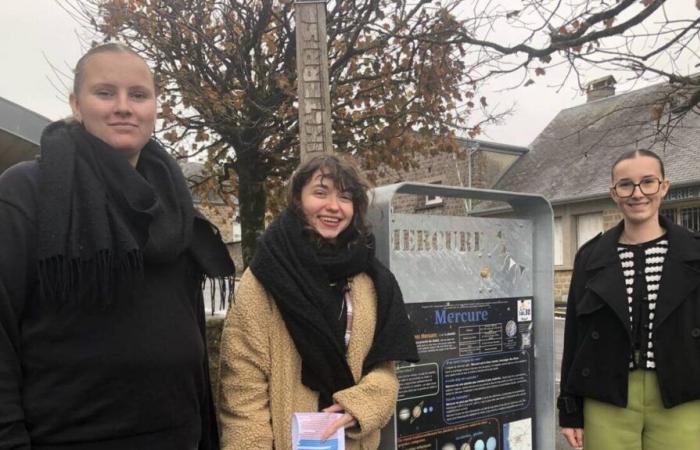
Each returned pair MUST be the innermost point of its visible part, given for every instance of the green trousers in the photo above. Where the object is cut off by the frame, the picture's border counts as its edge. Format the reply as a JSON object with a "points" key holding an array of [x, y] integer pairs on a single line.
{"points": [[645, 424]]}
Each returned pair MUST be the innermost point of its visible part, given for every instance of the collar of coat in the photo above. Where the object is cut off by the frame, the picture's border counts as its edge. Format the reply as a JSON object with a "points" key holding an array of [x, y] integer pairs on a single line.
{"points": [[679, 276]]}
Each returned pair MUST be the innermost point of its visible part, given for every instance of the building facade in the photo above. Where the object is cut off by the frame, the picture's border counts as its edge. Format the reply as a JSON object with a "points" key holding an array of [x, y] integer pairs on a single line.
{"points": [[569, 163], [20, 131], [478, 164]]}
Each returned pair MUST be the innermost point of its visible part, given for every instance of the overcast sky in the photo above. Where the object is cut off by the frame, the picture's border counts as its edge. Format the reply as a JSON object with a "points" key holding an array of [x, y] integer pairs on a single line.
{"points": [[35, 34]]}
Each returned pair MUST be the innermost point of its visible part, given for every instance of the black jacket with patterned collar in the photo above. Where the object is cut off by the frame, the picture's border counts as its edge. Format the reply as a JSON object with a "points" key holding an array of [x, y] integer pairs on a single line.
{"points": [[598, 339]]}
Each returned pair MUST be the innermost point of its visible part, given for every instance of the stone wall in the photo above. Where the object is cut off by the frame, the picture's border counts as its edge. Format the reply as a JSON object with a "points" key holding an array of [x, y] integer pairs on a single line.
{"points": [[562, 280], [449, 170], [610, 218], [236, 251], [221, 216], [214, 326]]}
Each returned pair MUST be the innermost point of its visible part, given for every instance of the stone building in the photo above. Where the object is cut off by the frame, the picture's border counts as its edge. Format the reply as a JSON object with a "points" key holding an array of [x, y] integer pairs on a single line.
{"points": [[20, 131], [217, 211], [569, 163], [480, 164]]}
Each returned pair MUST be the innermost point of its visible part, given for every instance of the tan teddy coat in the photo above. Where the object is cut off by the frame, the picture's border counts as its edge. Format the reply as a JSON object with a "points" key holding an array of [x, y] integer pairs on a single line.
{"points": [[261, 374]]}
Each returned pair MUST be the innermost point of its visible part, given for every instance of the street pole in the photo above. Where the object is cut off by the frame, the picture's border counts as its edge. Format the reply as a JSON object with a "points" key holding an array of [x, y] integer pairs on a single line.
{"points": [[312, 79]]}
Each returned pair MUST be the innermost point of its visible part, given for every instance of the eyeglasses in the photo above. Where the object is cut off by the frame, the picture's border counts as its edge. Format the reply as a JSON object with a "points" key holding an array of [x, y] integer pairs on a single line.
{"points": [[648, 186]]}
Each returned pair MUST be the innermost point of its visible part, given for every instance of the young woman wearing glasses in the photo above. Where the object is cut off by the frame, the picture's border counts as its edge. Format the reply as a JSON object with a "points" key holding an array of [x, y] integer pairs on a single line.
{"points": [[631, 360]]}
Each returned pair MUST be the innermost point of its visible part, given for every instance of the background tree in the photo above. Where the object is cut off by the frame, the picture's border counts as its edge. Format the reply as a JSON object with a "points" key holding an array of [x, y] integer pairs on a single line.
{"points": [[636, 40], [403, 73], [227, 75]]}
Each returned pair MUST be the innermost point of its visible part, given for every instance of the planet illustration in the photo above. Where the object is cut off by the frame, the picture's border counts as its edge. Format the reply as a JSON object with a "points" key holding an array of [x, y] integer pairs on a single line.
{"points": [[511, 328], [417, 410], [491, 443]]}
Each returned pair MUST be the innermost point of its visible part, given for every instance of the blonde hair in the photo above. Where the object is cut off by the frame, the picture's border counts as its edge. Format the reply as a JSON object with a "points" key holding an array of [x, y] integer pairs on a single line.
{"points": [[110, 47]]}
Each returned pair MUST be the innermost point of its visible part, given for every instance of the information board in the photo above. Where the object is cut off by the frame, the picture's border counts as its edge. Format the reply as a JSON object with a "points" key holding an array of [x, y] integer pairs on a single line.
{"points": [[478, 290], [473, 386]]}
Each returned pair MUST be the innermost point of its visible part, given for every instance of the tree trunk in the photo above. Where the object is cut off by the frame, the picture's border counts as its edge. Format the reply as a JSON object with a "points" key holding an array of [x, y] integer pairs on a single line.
{"points": [[252, 200]]}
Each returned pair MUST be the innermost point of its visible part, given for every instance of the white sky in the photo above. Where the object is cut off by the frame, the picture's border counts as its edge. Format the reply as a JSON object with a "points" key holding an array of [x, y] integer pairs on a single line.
{"points": [[35, 34]]}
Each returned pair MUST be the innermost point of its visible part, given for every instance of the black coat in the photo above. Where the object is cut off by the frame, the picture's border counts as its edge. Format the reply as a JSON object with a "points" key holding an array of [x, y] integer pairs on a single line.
{"points": [[597, 337]]}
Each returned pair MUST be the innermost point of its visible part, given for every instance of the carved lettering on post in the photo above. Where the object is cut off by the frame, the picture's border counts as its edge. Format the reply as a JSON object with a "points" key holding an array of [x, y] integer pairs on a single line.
{"points": [[312, 59], [314, 132], [309, 32], [314, 148], [313, 76], [312, 91], [313, 111], [312, 67]]}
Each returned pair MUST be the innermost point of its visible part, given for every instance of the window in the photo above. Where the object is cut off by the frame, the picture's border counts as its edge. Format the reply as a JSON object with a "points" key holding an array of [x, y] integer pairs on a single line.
{"points": [[670, 213], [433, 200], [558, 242], [690, 218], [587, 227]]}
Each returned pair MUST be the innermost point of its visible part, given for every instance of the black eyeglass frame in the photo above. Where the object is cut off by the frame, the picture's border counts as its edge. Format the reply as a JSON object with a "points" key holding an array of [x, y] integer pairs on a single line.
{"points": [[659, 182]]}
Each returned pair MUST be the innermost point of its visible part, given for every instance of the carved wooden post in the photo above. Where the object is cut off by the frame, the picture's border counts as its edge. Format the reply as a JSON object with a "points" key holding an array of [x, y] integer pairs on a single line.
{"points": [[312, 82]]}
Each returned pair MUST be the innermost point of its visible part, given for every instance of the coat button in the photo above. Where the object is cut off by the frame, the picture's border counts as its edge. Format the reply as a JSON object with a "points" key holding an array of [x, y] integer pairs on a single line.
{"points": [[586, 372], [695, 332], [595, 335]]}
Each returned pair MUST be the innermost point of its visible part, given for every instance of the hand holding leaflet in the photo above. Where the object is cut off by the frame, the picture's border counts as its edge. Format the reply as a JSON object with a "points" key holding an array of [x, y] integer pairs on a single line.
{"points": [[345, 420], [308, 430]]}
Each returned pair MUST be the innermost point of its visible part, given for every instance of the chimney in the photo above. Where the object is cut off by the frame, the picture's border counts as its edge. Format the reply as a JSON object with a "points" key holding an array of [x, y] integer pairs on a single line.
{"points": [[600, 88]]}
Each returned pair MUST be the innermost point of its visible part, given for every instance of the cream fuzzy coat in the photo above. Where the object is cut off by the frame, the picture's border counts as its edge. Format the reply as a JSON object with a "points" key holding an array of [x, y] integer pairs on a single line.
{"points": [[261, 374]]}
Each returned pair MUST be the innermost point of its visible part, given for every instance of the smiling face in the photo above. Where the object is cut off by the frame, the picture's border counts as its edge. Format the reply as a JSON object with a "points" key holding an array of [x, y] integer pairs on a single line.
{"points": [[116, 101], [326, 209], [639, 208]]}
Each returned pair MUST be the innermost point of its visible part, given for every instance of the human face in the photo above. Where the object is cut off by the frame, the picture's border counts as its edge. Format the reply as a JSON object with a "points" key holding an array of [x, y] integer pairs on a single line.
{"points": [[326, 209], [639, 208], [116, 101]]}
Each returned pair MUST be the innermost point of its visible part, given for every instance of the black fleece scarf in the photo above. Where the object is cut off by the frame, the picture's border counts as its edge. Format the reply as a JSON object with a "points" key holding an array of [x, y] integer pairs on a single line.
{"points": [[99, 220], [292, 269]]}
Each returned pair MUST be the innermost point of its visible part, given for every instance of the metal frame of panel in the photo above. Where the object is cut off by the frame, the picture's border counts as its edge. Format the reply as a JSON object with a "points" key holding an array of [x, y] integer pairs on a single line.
{"points": [[534, 208]]}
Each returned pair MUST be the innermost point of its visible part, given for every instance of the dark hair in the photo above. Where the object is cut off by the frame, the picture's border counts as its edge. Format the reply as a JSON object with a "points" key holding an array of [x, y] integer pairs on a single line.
{"points": [[113, 47], [634, 154], [346, 177]]}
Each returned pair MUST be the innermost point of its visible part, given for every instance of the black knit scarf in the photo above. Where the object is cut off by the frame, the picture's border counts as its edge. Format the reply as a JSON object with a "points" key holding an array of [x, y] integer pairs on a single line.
{"points": [[290, 266], [99, 220]]}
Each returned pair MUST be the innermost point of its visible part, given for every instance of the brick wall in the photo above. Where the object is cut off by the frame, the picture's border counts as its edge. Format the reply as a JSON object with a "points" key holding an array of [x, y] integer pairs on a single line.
{"points": [[214, 326]]}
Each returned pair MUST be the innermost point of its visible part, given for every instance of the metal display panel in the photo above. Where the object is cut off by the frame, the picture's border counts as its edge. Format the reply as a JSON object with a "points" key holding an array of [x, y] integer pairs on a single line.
{"points": [[478, 291]]}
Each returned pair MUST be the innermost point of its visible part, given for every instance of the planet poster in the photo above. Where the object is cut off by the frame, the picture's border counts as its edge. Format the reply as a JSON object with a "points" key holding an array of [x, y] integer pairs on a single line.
{"points": [[473, 387]]}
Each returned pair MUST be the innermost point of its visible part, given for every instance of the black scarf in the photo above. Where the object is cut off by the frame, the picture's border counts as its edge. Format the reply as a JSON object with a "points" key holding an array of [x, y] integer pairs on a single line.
{"points": [[99, 220], [297, 275]]}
